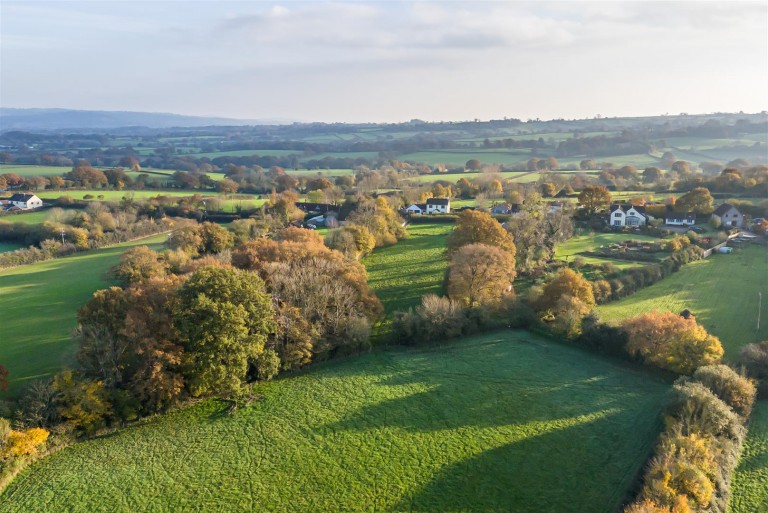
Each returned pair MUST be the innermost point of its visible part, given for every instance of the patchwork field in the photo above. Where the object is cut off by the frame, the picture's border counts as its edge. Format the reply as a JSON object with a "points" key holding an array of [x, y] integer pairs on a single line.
{"points": [[500, 422], [749, 491], [721, 291], [401, 274], [39, 307]]}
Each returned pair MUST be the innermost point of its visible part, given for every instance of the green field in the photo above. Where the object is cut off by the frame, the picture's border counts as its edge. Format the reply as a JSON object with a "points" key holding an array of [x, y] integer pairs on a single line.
{"points": [[500, 422], [721, 291], [592, 241], [39, 304], [402, 273], [749, 491], [27, 171], [110, 195], [36, 217], [9, 246]]}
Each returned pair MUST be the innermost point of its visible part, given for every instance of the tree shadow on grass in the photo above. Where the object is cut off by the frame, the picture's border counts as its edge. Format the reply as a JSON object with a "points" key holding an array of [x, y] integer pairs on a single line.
{"points": [[556, 471]]}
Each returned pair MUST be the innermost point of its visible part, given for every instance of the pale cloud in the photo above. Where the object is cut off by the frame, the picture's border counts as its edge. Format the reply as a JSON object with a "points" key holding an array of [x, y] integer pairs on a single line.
{"points": [[386, 60]]}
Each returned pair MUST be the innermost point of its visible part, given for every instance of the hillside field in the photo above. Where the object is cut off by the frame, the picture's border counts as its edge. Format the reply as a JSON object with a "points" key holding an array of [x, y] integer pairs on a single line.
{"points": [[39, 307], [500, 422], [402, 273], [721, 291]]}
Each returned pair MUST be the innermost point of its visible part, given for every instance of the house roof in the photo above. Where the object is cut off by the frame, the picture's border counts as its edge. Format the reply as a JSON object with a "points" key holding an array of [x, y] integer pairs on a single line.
{"points": [[682, 216], [625, 208], [722, 209], [438, 201], [22, 197]]}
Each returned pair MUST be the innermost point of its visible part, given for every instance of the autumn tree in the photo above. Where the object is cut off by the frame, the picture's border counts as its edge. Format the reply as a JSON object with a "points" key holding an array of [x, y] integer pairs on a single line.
{"points": [[227, 186], [652, 174], [139, 264], [355, 241], [480, 274], [215, 238], [698, 201], [23, 443], [381, 220], [567, 283], [672, 342], [476, 227], [537, 233], [84, 403], [473, 165], [224, 317], [293, 339], [594, 198]]}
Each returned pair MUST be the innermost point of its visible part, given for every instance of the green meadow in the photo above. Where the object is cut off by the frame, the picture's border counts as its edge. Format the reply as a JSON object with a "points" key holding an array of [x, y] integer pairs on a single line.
{"points": [[39, 306], [721, 291], [402, 273], [505, 421]]}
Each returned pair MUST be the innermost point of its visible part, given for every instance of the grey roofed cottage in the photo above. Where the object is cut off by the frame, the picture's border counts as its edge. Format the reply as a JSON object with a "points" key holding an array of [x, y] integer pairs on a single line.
{"points": [[728, 215], [25, 201]]}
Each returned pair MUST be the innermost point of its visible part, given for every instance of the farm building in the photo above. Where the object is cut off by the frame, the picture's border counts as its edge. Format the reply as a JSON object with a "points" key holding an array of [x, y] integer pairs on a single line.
{"points": [[438, 206], [504, 208], [728, 215], [627, 215], [680, 219], [25, 201], [416, 208]]}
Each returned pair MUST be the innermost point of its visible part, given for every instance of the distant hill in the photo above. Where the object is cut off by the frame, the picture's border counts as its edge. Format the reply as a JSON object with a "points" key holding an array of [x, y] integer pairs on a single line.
{"points": [[57, 119]]}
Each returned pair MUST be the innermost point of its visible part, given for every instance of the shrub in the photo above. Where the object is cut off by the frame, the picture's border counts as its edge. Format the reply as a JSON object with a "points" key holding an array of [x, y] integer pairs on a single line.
{"points": [[754, 358], [671, 342], [736, 391], [604, 338], [699, 410], [437, 318]]}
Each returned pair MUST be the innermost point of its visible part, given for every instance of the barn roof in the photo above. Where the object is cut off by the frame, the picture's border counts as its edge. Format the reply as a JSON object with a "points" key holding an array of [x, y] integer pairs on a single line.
{"points": [[22, 197], [722, 209]]}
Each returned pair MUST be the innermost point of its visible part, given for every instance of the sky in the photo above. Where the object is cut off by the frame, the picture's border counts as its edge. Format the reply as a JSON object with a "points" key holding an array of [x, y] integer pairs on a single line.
{"points": [[386, 61]]}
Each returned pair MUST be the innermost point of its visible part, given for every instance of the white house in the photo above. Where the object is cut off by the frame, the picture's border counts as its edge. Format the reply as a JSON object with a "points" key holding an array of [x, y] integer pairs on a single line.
{"points": [[627, 215], [416, 208], [679, 219], [728, 215], [25, 201], [438, 206]]}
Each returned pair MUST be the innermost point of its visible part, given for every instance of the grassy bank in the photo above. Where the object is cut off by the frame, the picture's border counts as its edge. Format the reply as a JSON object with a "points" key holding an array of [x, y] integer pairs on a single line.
{"points": [[499, 422]]}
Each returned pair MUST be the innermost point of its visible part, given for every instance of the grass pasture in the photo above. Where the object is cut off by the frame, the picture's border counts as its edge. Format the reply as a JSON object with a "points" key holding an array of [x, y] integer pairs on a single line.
{"points": [[721, 291], [110, 195], [749, 491], [500, 422], [402, 273], [31, 170], [35, 217], [39, 304], [9, 246]]}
